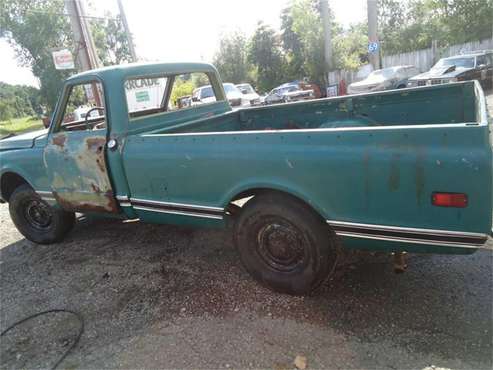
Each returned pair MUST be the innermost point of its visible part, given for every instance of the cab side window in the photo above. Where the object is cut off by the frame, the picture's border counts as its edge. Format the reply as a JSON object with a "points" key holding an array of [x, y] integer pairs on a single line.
{"points": [[84, 108]]}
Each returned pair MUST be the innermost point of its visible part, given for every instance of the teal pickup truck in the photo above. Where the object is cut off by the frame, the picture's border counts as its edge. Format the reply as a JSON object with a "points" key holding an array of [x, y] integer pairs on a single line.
{"points": [[404, 170]]}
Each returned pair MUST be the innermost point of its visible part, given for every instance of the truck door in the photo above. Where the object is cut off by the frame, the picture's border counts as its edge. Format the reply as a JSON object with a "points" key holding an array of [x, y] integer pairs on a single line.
{"points": [[75, 152]]}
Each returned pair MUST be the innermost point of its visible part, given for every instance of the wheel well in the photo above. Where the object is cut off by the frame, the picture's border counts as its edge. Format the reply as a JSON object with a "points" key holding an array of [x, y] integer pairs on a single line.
{"points": [[9, 182], [250, 193], [401, 86]]}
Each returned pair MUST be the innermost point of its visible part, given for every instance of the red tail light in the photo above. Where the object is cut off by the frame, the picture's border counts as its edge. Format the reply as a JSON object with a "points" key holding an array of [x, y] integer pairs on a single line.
{"points": [[457, 200]]}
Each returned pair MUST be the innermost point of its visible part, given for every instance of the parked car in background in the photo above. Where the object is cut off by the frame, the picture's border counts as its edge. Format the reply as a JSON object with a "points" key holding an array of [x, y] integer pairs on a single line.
{"points": [[184, 101], [384, 79], [250, 96], [81, 112], [233, 94], [472, 66], [288, 92], [203, 95]]}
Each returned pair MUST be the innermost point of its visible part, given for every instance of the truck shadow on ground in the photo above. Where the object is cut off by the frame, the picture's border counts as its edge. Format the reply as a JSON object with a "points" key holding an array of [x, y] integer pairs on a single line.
{"points": [[126, 277]]}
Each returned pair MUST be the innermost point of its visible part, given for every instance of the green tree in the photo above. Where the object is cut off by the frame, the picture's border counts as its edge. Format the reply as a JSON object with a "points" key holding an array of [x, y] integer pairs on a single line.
{"points": [[110, 40], [307, 24], [181, 88], [413, 25], [349, 45], [200, 79], [34, 28], [265, 55], [292, 45], [18, 101], [231, 58], [37, 27], [303, 42]]}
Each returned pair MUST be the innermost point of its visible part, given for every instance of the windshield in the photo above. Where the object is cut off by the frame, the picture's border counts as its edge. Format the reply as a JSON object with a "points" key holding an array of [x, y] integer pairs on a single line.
{"points": [[206, 92], [467, 62], [229, 88], [287, 89], [386, 73], [246, 89]]}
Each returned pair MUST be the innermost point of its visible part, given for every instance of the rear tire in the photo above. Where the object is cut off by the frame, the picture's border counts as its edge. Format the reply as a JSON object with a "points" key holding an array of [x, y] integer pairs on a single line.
{"points": [[284, 244], [37, 220]]}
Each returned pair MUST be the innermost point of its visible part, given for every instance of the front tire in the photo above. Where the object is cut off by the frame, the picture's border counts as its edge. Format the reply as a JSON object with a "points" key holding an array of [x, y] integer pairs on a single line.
{"points": [[284, 244], [37, 220]]}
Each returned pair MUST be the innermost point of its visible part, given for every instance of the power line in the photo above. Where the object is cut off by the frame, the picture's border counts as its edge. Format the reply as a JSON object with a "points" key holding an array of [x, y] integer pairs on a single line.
{"points": [[68, 15]]}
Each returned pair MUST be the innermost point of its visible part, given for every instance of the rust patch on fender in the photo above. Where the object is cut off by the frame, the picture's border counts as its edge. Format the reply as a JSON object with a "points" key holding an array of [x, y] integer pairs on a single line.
{"points": [[59, 140], [95, 188], [420, 176], [101, 165], [74, 202], [394, 177], [366, 174]]}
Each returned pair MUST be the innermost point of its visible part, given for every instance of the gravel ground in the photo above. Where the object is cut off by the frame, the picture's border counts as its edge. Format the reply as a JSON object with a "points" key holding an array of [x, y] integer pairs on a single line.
{"points": [[170, 297]]}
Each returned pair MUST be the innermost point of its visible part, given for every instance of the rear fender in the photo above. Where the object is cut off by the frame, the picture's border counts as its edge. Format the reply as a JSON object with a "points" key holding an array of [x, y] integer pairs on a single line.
{"points": [[258, 185]]}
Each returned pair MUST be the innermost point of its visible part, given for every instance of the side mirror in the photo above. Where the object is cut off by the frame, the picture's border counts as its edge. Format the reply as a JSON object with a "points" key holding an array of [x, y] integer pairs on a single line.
{"points": [[195, 99]]}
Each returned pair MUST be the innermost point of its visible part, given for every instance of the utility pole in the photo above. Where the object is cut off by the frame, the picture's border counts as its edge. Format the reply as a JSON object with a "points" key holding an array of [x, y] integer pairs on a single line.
{"points": [[81, 53], [91, 48], [327, 37], [85, 49], [374, 53], [127, 31]]}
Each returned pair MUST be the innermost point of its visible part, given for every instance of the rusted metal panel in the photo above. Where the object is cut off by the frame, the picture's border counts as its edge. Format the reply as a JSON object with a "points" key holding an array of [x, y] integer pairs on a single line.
{"points": [[80, 180]]}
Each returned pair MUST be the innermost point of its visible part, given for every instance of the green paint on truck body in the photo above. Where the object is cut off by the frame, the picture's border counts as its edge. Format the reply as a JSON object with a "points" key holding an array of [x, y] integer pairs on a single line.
{"points": [[364, 162]]}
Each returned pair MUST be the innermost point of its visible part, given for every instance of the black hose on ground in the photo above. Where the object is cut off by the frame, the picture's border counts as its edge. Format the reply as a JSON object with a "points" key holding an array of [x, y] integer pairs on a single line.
{"points": [[76, 314]]}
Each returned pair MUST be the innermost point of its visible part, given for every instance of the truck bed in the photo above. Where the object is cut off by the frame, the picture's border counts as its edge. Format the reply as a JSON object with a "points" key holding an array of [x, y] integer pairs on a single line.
{"points": [[446, 104], [373, 159]]}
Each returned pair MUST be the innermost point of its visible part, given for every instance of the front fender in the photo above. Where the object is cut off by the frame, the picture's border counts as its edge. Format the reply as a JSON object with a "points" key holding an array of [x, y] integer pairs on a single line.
{"points": [[27, 163]]}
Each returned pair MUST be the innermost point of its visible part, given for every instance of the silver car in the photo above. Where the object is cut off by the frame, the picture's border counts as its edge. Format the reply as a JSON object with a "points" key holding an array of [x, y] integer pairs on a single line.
{"points": [[384, 79]]}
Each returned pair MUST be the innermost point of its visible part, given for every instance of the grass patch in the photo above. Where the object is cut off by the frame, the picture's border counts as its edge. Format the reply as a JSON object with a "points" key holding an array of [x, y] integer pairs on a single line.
{"points": [[20, 125]]}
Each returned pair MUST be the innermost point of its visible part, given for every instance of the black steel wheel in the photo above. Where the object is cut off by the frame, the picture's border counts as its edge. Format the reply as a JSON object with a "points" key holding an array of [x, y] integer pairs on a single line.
{"points": [[36, 219], [284, 244]]}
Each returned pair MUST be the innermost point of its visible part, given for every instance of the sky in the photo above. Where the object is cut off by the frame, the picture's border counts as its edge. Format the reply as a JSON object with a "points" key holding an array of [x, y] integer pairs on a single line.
{"points": [[186, 30]]}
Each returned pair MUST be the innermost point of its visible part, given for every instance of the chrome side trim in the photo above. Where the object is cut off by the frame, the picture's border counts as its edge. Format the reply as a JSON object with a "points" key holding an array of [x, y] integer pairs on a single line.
{"points": [[409, 235], [125, 204], [407, 240], [183, 213], [406, 229], [122, 198], [46, 195], [172, 204]]}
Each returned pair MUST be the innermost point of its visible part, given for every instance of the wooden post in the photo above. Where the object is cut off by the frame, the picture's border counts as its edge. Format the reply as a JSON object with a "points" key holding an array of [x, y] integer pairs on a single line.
{"points": [[373, 32]]}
